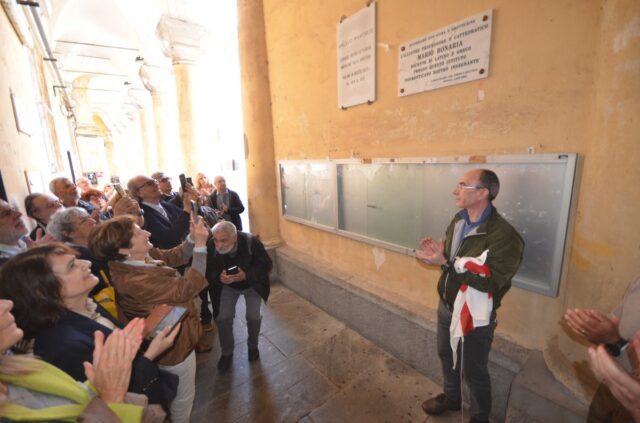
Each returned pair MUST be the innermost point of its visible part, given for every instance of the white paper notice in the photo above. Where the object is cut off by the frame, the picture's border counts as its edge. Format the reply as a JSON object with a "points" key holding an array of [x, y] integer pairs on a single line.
{"points": [[356, 41], [452, 55]]}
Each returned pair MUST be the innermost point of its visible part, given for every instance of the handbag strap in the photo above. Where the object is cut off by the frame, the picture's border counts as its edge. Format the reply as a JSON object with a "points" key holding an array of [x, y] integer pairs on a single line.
{"points": [[105, 278]]}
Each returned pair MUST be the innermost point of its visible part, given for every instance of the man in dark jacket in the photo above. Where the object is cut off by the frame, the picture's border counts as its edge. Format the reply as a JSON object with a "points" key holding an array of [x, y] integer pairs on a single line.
{"points": [[237, 264], [479, 257], [226, 203], [168, 224], [40, 207]]}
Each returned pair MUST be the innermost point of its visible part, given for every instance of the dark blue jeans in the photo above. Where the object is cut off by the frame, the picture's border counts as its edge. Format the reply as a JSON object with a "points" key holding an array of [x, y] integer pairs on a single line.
{"points": [[475, 359]]}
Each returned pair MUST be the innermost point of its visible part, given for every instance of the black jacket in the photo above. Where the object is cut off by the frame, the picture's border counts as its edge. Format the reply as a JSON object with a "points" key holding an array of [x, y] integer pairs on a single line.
{"points": [[254, 261], [235, 208], [165, 233], [69, 342]]}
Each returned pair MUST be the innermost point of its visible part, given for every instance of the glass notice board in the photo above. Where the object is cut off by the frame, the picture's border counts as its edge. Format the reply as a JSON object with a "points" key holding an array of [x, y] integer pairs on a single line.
{"points": [[395, 203]]}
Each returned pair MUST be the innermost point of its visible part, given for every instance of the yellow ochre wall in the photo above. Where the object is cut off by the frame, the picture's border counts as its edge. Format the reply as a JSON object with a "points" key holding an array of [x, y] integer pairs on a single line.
{"points": [[20, 152], [564, 77]]}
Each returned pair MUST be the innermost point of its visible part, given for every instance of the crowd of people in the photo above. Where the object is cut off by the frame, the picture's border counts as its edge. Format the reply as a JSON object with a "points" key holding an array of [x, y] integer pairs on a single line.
{"points": [[105, 291], [104, 294]]}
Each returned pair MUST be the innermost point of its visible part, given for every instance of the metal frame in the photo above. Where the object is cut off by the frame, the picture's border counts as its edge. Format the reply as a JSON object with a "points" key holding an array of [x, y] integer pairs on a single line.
{"points": [[571, 159]]}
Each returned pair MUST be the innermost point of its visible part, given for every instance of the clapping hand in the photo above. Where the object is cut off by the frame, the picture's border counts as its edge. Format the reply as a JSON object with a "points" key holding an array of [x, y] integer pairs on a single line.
{"points": [[592, 325], [110, 371], [624, 386]]}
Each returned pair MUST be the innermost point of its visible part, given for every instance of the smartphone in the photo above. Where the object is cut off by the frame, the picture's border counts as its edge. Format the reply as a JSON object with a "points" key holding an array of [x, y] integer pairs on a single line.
{"points": [[233, 270], [183, 181], [120, 190], [195, 210], [189, 180], [172, 318]]}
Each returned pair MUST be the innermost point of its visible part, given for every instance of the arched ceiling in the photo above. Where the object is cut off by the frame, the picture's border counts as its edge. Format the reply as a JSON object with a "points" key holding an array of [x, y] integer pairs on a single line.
{"points": [[100, 45]]}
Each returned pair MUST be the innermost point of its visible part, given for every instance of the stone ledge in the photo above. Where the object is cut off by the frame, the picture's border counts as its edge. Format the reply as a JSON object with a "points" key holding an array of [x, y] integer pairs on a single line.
{"points": [[406, 330]]}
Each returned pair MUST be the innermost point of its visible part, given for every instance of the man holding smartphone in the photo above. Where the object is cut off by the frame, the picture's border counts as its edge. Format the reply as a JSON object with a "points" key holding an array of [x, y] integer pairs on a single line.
{"points": [[168, 224], [237, 265], [479, 257]]}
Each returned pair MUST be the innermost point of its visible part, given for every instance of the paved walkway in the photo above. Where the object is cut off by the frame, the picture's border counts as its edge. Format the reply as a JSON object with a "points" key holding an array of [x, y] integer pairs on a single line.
{"points": [[312, 369]]}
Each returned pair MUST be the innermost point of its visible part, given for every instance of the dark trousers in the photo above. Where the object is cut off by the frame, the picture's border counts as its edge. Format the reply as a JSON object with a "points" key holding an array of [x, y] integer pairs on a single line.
{"points": [[224, 321], [475, 358], [205, 313]]}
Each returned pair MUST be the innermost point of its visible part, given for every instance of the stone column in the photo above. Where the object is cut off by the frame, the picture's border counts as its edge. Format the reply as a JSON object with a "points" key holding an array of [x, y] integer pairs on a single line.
{"points": [[602, 263], [262, 185], [156, 81], [181, 41], [147, 130]]}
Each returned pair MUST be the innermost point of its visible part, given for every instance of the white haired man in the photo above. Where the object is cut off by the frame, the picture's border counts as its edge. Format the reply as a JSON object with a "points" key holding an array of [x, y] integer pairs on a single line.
{"points": [[237, 265]]}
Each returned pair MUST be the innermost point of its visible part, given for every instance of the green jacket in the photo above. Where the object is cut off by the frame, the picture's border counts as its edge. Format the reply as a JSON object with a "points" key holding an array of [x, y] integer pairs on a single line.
{"points": [[505, 247]]}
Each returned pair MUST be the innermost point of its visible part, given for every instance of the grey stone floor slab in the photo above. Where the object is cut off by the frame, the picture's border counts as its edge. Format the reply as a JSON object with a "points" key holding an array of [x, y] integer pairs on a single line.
{"points": [[312, 369]]}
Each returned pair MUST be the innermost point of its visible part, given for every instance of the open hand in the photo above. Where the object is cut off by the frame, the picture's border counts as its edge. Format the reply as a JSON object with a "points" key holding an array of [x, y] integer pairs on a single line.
{"points": [[110, 371], [431, 252]]}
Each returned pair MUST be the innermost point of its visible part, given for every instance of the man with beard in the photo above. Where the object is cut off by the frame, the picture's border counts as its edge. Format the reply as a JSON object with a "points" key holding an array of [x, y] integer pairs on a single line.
{"points": [[237, 264]]}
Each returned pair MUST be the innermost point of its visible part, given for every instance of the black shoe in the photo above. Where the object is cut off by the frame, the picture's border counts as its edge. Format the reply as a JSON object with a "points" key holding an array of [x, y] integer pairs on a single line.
{"points": [[254, 354], [440, 404], [225, 362], [474, 420]]}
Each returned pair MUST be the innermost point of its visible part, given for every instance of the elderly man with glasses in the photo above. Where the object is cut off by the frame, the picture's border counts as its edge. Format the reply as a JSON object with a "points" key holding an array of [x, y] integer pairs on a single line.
{"points": [[479, 257], [166, 188], [168, 224]]}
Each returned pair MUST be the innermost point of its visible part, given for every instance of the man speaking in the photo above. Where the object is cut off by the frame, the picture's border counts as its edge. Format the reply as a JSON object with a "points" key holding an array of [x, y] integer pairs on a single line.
{"points": [[479, 257]]}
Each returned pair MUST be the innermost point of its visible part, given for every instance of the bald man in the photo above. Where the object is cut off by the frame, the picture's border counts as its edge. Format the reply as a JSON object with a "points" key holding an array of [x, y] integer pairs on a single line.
{"points": [[479, 257]]}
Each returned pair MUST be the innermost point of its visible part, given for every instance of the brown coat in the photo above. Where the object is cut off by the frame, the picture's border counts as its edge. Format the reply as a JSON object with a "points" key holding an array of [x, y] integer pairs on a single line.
{"points": [[140, 288]]}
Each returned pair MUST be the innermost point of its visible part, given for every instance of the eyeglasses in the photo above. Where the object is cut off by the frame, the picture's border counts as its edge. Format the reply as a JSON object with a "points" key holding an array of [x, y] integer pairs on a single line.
{"points": [[461, 185], [9, 212], [149, 183]]}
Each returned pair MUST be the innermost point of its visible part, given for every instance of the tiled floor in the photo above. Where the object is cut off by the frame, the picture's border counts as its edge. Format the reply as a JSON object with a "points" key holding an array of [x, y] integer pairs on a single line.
{"points": [[312, 368]]}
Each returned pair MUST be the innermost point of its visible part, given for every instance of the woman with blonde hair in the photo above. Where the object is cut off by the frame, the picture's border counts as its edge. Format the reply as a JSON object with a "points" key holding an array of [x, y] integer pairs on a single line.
{"points": [[203, 186]]}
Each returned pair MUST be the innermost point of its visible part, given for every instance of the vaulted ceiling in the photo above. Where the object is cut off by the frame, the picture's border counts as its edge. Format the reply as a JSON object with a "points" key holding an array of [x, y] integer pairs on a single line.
{"points": [[100, 46]]}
